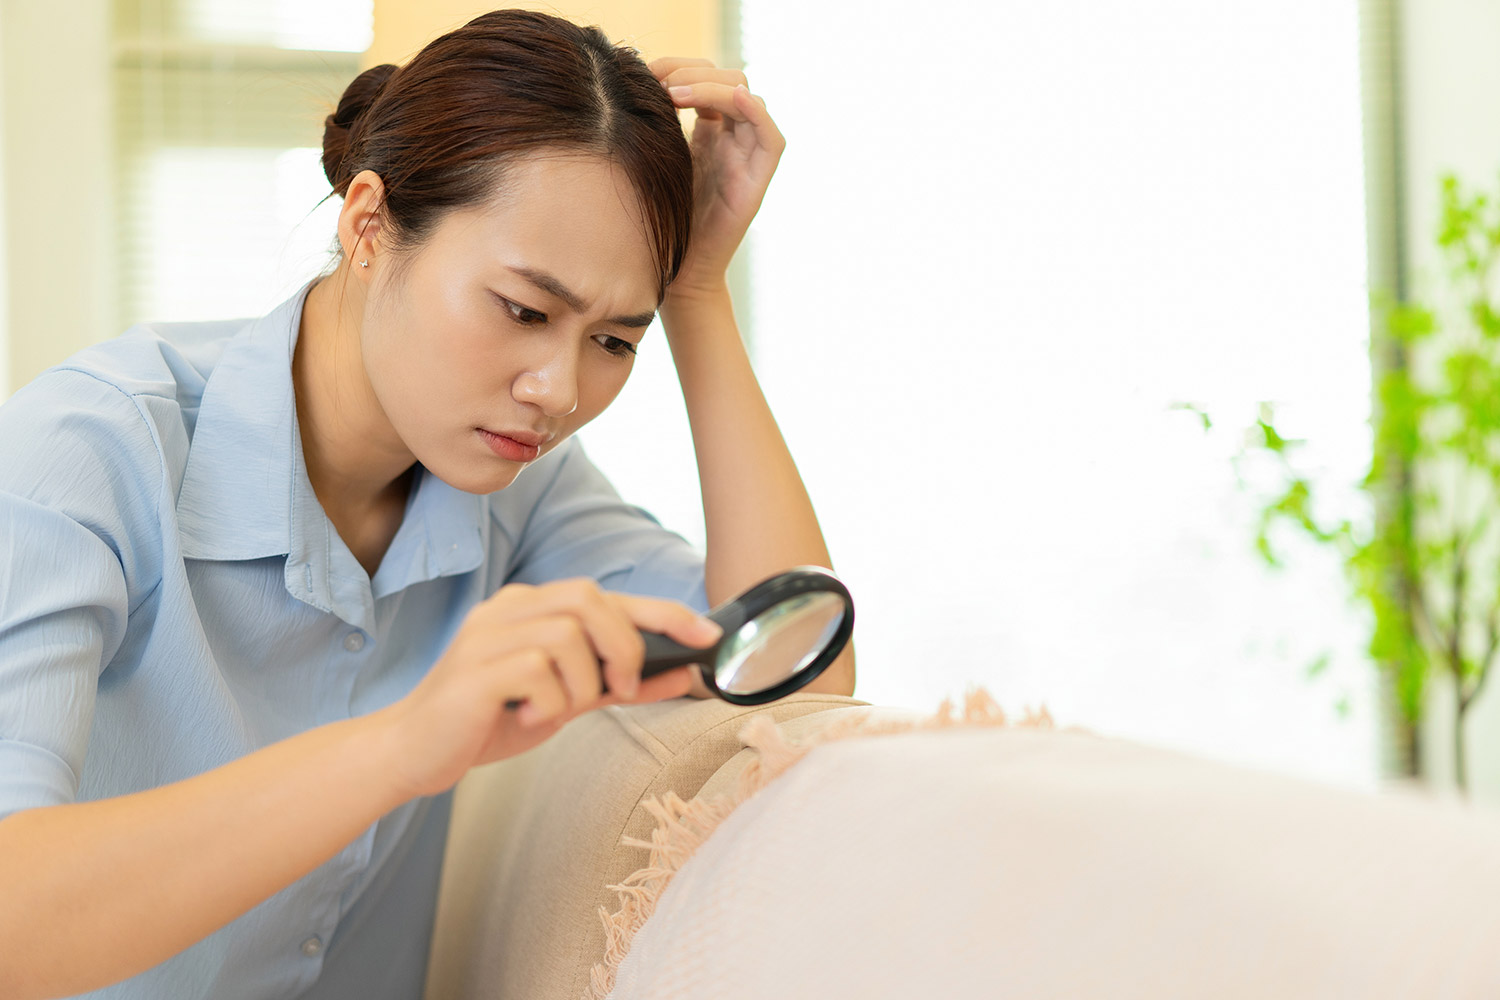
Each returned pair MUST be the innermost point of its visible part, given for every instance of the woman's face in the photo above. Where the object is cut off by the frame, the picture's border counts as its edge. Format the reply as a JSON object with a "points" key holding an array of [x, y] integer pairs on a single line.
{"points": [[518, 318]]}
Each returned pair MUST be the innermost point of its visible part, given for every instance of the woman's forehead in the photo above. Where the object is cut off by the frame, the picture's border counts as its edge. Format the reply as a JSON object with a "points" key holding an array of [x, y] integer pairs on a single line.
{"points": [[571, 215], [565, 182]]}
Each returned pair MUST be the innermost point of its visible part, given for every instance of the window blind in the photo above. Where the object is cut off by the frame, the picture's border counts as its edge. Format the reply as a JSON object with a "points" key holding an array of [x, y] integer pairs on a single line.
{"points": [[218, 110]]}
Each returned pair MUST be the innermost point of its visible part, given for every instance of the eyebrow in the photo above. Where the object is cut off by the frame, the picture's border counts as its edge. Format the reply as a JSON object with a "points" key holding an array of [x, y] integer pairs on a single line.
{"points": [[549, 284]]}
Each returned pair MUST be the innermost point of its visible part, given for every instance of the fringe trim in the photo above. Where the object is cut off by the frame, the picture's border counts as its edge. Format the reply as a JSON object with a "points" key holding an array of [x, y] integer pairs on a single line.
{"points": [[682, 827]]}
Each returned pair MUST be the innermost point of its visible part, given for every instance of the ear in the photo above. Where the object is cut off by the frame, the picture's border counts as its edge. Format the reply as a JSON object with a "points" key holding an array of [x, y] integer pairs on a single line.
{"points": [[361, 221]]}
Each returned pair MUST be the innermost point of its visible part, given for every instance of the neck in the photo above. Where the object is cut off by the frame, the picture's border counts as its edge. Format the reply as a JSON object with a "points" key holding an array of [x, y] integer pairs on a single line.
{"points": [[355, 459]]}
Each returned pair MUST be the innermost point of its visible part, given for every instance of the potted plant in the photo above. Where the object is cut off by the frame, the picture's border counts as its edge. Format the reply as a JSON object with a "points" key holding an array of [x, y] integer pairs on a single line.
{"points": [[1428, 566]]}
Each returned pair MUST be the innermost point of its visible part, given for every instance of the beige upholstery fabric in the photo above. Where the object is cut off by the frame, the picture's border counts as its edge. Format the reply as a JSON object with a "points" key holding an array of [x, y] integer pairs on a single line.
{"points": [[535, 839]]}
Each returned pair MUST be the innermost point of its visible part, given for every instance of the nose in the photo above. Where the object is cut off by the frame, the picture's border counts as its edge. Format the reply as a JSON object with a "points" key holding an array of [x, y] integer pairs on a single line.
{"points": [[551, 385]]}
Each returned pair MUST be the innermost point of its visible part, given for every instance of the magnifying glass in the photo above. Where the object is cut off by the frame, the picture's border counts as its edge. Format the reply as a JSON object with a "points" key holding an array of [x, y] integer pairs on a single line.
{"points": [[778, 636]]}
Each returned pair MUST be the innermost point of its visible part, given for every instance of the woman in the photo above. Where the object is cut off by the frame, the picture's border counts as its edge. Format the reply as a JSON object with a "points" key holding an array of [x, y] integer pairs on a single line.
{"points": [[270, 586]]}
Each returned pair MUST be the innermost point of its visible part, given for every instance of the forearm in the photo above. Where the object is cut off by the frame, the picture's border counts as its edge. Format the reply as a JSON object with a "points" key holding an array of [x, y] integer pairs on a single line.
{"points": [[758, 517], [96, 892]]}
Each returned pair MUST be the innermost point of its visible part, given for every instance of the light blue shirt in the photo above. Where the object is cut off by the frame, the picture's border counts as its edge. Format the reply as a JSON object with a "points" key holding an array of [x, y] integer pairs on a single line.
{"points": [[172, 597]]}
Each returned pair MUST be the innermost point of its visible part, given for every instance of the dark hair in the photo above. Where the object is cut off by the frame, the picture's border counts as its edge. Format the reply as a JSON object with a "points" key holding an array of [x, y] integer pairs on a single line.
{"points": [[440, 129]]}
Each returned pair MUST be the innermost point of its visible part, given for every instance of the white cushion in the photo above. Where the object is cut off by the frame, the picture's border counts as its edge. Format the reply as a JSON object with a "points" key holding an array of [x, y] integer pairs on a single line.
{"points": [[1023, 862]]}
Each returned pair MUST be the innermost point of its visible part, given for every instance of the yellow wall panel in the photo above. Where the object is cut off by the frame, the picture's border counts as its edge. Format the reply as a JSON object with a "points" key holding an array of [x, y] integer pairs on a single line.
{"points": [[655, 27]]}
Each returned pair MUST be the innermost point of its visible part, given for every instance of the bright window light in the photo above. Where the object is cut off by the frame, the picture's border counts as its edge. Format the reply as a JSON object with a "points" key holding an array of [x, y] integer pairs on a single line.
{"points": [[1003, 241], [328, 25], [229, 232]]}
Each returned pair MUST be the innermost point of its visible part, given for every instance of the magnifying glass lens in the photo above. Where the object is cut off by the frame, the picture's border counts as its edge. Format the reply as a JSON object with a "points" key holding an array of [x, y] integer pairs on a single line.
{"points": [[778, 643], [778, 637]]}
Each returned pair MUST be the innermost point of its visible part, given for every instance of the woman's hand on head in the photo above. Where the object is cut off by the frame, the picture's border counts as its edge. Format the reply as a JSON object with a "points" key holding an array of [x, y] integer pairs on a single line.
{"points": [[540, 645], [736, 147]]}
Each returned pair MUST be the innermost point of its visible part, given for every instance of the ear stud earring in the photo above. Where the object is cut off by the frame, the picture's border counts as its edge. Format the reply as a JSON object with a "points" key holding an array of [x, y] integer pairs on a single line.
{"points": [[364, 263]]}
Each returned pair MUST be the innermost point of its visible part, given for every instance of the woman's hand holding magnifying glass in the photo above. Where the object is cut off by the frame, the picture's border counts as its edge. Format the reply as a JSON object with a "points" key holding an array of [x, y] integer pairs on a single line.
{"points": [[541, 646]]}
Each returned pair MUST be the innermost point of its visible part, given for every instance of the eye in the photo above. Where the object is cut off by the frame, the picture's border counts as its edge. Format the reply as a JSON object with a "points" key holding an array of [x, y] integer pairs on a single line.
{"points": [[521, 314], [614, 345]]}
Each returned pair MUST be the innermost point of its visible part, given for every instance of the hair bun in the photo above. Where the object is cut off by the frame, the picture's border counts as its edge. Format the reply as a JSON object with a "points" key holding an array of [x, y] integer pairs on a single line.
{"points": [[339, 126]]}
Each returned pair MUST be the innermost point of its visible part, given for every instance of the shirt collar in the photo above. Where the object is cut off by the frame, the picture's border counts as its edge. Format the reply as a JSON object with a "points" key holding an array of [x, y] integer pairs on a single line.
{"points": [[246, 493], [236, 495]]}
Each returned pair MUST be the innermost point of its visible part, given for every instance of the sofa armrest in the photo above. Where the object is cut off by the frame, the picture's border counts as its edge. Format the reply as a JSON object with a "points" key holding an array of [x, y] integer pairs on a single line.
{"points": [[535, 839]]}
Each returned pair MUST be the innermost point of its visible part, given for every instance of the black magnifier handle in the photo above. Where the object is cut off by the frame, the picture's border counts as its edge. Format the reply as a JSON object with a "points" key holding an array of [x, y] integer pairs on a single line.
{"points": [[662, 654]]}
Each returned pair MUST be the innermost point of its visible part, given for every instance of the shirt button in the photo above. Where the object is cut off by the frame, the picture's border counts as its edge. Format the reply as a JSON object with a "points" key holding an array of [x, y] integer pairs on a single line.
{"points": [[354, 642], [312, 947]]}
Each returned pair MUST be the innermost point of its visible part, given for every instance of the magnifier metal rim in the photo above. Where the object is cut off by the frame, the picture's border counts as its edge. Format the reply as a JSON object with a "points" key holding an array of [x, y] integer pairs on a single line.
{"points": [[767, 594]]}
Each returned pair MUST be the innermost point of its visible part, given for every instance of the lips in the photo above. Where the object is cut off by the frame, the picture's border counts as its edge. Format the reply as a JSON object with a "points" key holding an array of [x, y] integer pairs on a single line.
{"points": [[525, 437], [513, 446]]}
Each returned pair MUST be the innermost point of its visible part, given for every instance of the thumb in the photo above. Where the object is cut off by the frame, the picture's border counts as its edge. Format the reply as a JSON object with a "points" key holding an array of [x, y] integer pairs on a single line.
{"points": [[672, 619]]}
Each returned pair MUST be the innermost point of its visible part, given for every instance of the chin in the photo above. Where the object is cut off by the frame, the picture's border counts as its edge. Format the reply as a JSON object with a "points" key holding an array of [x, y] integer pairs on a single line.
{"points": [[472, 477], [482, 472]]}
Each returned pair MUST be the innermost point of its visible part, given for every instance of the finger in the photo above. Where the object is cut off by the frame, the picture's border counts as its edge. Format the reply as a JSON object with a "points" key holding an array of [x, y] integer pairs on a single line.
{"points": [[667, 617], [668, 64], [736, 103], [573, 655], [698, 687], [706, 97], [670, 618], [616, 642], [689, 75], [753, 108], [674, 683], [528, 676]]}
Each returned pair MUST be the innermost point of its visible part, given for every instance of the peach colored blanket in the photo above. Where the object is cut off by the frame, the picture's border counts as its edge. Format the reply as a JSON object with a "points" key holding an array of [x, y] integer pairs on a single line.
{"points": [[993, 861]]}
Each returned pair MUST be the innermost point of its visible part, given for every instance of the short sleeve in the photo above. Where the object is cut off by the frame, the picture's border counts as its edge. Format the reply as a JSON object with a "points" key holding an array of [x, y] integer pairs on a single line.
{"points": [[71, 485], [574, 523]]}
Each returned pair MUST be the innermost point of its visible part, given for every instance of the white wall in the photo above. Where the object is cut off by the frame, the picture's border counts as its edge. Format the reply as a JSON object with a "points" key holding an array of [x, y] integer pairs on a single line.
{"points": [[1451, 120], [58, 192], [4, 256], [982, 276]]}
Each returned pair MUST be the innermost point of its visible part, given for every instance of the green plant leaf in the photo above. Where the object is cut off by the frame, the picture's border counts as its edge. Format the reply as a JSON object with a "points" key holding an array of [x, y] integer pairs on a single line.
{"points": [[1434, 471], [1409, 323], [1196, 409]]}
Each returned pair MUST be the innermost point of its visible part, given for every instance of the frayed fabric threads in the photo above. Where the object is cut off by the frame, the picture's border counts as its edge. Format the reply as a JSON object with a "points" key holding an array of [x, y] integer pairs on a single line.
{"points": [[683, 826]]}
